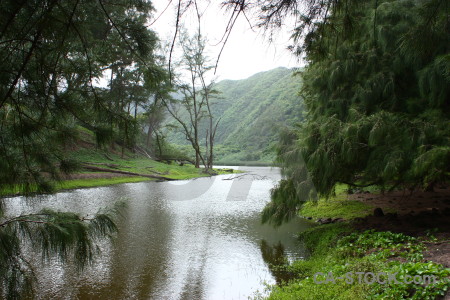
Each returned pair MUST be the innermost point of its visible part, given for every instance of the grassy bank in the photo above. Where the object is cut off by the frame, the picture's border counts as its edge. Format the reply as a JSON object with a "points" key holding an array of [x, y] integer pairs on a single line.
{"points": [[336, 207], [140, 165], [340, 251], [131, 162]]}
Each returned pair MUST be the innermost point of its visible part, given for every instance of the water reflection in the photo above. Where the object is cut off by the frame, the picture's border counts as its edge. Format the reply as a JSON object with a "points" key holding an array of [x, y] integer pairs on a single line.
{"points": [[276, 259], [189, 240]]}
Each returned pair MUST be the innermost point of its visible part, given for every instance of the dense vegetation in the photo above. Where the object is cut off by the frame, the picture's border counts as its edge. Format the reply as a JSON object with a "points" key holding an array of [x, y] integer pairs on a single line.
{"points": [[338, 255], [67, 69], [252, 111], [53, 55], [376, 91]]}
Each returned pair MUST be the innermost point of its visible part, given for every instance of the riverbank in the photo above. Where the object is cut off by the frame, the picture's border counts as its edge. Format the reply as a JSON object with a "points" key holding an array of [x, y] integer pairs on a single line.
{"points": [[98, 168], [358, 248]]}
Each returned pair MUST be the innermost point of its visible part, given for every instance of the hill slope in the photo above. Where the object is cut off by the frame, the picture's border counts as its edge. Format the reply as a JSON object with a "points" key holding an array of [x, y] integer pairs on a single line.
{"points": [[252, 111]]}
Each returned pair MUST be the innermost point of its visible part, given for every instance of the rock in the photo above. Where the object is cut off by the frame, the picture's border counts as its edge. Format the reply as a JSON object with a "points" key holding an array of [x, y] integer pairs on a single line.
{"points": [[378, 212], [309, 218]]}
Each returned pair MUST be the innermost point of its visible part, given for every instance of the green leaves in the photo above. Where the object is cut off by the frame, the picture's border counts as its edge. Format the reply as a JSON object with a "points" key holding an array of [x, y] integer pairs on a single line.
{"points": [[52, 55], [377, 105], [52, 234]]}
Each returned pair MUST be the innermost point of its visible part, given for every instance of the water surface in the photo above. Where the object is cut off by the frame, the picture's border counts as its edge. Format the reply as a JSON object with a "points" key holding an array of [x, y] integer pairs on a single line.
{"points": [[197, 239]]}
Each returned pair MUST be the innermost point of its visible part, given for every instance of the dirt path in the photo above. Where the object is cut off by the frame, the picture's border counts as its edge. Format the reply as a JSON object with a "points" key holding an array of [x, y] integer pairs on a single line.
{"points": [[408, 203], [415, 214]]}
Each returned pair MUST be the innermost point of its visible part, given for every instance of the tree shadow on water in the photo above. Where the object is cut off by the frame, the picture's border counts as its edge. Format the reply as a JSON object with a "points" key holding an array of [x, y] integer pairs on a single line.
{"points": [[276, 260]]}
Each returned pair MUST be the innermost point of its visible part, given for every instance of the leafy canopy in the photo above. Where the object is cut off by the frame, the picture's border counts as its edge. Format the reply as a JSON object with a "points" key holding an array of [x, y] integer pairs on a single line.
{"points": [[377, 94], [52, 55]]}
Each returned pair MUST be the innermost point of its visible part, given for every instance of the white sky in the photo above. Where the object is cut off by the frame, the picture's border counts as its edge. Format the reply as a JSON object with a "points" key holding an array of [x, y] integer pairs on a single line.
{"points": [[247, 51]]}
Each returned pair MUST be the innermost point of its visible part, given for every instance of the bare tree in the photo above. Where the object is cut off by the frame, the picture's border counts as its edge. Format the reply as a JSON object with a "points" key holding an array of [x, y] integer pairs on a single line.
{"points": [[195, 103]]}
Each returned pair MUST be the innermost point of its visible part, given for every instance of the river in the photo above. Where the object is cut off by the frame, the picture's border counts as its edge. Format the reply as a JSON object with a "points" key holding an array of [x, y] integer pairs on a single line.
{"points": [[196, 239]]}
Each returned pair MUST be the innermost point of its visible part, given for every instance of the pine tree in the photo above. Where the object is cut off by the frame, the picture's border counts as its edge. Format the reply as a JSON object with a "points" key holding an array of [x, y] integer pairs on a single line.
{"points": [[52, 53], [377, 93]]}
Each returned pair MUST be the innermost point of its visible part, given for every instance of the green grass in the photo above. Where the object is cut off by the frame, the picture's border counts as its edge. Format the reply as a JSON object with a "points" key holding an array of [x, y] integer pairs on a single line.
{"points": [[338, 249], [131, 163], [336, 207], [319, 240], [138, 164], [334, 249], [86, 183]]}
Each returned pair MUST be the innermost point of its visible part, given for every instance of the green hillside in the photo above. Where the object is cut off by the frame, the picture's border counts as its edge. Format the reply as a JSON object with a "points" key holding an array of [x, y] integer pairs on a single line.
{"points": [[252, 111]]}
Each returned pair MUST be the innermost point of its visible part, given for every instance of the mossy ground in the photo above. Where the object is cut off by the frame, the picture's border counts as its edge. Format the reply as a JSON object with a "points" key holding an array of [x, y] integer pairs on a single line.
{"points": [[338, 206]]}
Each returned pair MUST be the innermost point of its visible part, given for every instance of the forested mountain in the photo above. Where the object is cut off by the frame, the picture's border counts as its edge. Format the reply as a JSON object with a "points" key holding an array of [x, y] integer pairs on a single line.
{"points": [[252, 111]]}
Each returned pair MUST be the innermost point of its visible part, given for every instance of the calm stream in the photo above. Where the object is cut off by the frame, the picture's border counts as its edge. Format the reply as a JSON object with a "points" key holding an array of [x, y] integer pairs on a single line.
{"points": [[197, 239]]}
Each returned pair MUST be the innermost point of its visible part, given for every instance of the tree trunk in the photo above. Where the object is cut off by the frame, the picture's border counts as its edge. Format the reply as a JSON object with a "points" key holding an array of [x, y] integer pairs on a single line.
{"points": [[197, 159]]}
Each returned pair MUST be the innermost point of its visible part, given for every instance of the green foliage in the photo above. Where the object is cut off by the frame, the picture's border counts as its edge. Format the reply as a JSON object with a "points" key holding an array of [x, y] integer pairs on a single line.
{"points": [[51, 234], [319, 239], [252, 111], [334, 249], [335, 208], [415, 291], [283, 204], [377, 100], [387, 243], [53, 53]]}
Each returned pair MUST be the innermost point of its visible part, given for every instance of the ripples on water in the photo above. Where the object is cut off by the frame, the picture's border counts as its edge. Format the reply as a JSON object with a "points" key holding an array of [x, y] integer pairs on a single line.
{"points": [[197, 239]]}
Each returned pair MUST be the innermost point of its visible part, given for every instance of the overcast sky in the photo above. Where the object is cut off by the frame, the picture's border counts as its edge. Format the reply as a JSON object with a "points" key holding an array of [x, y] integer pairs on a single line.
{"points": [[247, 51]]}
